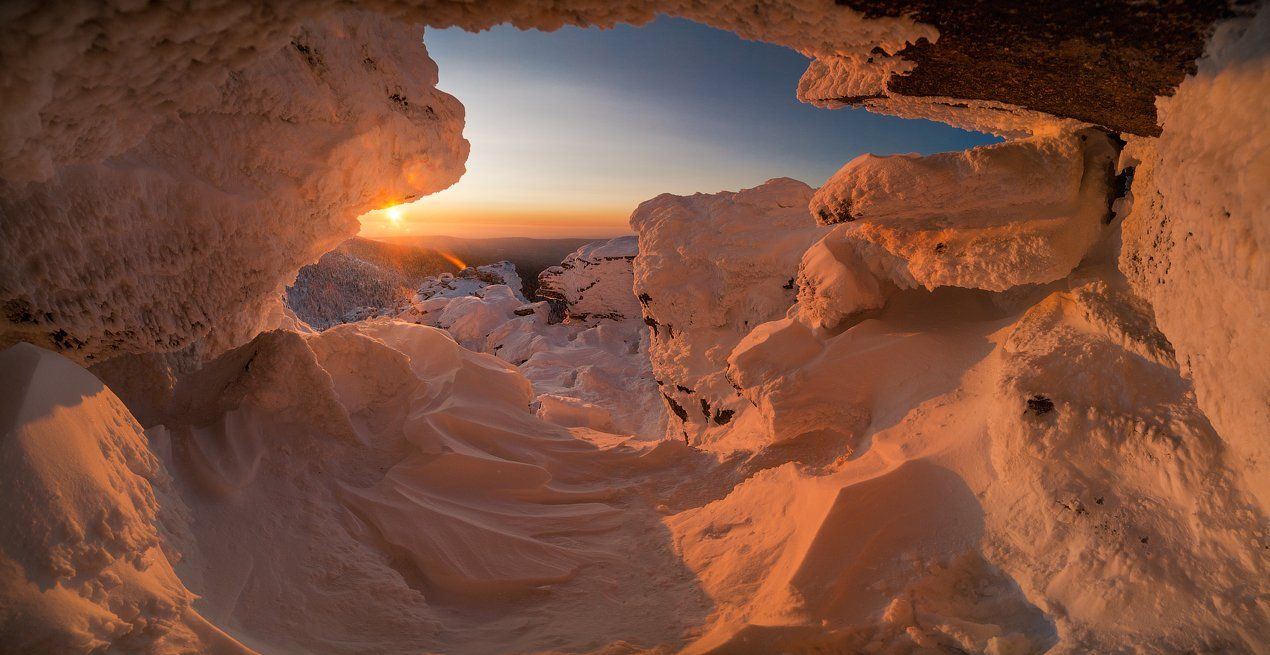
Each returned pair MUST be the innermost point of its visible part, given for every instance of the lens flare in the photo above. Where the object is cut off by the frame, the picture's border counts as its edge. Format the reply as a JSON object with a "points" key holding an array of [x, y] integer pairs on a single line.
{"points": [[452, 259]]}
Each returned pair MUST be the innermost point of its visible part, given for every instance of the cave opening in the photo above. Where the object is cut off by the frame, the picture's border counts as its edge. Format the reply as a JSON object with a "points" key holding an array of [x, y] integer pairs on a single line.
{"points": [[571, 129]]}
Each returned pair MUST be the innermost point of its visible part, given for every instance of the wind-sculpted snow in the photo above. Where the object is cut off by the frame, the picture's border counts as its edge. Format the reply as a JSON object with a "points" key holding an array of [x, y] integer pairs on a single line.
{"points": [[85, 565], [704, 285], [184, 237], [993, 402], [378, 471], [1101, 467]]}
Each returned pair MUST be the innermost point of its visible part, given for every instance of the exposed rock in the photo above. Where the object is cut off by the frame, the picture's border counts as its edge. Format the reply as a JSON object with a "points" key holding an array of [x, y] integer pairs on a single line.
{"points": [[1101, 63]]}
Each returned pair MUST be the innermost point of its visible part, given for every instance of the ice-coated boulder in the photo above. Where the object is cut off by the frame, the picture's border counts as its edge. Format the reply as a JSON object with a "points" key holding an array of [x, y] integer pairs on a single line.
{"points": [[710, 269], [993, 217]]}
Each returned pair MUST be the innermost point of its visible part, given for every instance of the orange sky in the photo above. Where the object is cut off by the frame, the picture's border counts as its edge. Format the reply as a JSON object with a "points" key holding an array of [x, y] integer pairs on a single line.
{"points": [[571, 130], [472, 220]]}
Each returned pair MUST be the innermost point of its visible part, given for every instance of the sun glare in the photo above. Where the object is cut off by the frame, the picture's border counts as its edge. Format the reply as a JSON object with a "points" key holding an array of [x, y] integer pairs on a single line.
{"points": [[394, 215], [453, 259]]}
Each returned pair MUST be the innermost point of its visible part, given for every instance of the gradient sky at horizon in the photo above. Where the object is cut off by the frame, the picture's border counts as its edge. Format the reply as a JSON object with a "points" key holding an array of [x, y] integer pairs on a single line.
{"points": [[570, 130]]}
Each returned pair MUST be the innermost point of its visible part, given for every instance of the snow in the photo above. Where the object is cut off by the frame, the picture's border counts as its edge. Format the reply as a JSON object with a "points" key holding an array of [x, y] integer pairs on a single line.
{"points": [[704, 285], [603, 292], [967, 402], [993, 217], [190, 232], [586, 355], [1195, 237], [89, 568], [472, 281]]}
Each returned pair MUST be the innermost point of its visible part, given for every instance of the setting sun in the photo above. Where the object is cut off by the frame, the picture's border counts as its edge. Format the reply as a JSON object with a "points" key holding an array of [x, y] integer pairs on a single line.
{"points": [[394, 215]]}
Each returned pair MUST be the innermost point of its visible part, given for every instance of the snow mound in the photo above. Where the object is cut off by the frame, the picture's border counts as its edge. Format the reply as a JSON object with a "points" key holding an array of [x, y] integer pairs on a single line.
{"points": [[703, 285], [85, 565], [378, 470]]}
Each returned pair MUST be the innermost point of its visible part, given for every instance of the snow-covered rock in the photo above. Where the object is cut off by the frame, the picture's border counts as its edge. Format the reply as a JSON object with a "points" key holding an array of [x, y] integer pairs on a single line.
{"points": [[472, 281], [589, 371], [471, 304], [184, 235], [993, 217], [704, 284], [594, 281], [1196, 235]]}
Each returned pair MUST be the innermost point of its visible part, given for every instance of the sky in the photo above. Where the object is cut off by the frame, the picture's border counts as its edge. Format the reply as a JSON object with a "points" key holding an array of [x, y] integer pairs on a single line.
{"points": [[571, 130]]}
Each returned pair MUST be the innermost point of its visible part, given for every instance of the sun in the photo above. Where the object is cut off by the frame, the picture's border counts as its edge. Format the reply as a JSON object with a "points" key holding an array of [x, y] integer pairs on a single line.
{"points": [[394, 215]]}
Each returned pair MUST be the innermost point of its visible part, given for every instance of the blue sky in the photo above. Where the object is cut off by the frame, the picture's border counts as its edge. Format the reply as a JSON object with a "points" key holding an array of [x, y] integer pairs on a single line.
{"points": [[571, 129]]}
